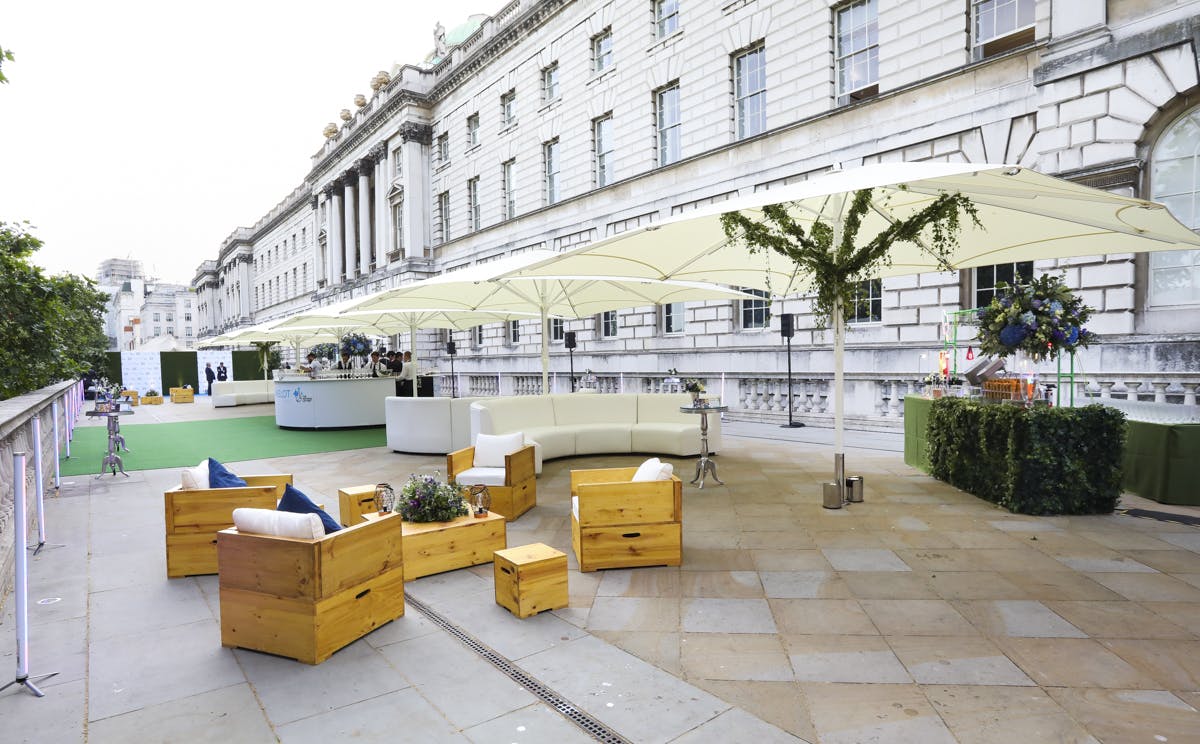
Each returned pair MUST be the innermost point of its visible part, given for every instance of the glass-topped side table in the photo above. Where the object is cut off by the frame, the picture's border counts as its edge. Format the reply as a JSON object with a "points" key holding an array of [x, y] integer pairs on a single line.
{"points": [[705, 464]]}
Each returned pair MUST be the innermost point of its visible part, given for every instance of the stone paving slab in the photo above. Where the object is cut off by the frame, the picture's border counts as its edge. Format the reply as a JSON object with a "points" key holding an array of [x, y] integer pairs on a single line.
{"points": [[923, 614]]}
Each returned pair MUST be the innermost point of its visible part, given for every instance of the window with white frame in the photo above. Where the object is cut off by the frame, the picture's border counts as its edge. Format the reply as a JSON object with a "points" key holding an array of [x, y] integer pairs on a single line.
{"points": [[514, 331], [550, 89], [473, 204], [157, 317], [750, 91], [608, 324], [398, 226], [667, 120], [755, 313], [987, 278], [443, 148], [550, 170], [602, 136], [508, 107], [396, 162], [673, 318], [170, 317], [557, 329], [1000, 25], [508, 195], [473, 130], [443, 216], [476, 336], [1175, 182], [866, 306], [857, 35], [666, 17], [187, 317], [602, 51]]}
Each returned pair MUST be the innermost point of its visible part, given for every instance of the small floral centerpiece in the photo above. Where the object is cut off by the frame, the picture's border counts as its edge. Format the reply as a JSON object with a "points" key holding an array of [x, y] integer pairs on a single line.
{"points": [[936, 378], [693, 385], [1040, 319], [426, 498], [324, 351]]}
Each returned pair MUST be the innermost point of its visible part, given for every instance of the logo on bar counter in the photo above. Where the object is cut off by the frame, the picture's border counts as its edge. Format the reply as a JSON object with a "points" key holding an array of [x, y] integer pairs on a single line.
{"points": [[296, 394]]}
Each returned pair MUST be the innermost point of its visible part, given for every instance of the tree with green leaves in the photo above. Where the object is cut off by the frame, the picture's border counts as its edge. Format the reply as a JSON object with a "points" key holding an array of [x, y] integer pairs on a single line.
{"points": [[5, 56], [836, 258], [51, 327]]}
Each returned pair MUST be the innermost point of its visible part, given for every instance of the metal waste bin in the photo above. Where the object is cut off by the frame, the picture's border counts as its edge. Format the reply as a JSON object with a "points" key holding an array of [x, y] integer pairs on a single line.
{"points": [[854, 489], [832, 496]]}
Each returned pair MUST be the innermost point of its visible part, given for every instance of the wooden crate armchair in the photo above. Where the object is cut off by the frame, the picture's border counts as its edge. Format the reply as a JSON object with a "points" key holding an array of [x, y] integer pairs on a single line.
{"points": [[617, 523], [305, 599], [194, 516], [182, 395], [513, 492]]}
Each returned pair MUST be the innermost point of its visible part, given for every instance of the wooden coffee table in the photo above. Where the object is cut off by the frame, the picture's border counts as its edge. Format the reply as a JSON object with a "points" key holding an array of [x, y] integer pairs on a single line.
{"points": [[434, 547]]}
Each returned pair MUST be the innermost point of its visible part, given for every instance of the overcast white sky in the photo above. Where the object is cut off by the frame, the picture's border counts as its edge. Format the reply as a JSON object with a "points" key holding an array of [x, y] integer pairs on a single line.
{"points": [[151, 129]]}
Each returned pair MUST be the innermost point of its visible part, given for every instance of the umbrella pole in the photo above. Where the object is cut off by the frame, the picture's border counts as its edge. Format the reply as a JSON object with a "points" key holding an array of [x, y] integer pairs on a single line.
{"points": [[412, 344], [839, 397], [545, 351]]}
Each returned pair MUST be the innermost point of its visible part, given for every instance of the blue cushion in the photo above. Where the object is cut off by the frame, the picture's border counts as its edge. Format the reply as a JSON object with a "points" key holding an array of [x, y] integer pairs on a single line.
{"points": [[220, 477], [294, 501]]}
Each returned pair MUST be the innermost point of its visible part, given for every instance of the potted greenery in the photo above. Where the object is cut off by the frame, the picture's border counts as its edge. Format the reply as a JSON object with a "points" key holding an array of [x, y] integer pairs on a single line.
{"points": [[152, 398], [694, 386]]}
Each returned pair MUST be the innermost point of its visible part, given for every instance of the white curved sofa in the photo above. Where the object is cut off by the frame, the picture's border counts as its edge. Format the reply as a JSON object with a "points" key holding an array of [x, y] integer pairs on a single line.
{"points": [[242, 392], [435, 426], [572, 424]]}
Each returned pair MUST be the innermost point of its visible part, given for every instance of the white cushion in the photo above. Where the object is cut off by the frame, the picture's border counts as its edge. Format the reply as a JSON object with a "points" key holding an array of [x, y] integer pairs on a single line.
{"points": [[648, 471], [575, 507], [195, 478], [667, 471], [278, 524], [486, 476], [490, 449]]}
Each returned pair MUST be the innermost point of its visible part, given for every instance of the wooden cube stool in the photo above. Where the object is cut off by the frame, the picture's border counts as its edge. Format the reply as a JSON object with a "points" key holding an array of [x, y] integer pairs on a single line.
{"points": [[354, 502], [530, 579]]}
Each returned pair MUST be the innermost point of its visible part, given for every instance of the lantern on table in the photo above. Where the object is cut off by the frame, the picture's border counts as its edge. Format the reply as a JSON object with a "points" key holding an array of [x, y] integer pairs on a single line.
{"points": [[385, 498], [480, 499]]}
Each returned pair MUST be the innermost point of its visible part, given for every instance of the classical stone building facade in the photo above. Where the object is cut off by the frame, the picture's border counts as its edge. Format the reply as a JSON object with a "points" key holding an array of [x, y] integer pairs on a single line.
{"points": [[555, 123]]}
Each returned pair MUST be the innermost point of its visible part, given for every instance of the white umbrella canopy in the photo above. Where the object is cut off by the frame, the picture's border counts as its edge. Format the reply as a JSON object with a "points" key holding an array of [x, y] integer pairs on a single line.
{"points": [[1024, 216], [491, 287]]}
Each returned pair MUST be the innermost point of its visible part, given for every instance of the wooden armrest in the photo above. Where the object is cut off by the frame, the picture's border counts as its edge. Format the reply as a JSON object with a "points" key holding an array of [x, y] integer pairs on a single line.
{"points": [[456, 462], [519, 466], [278, 480]]}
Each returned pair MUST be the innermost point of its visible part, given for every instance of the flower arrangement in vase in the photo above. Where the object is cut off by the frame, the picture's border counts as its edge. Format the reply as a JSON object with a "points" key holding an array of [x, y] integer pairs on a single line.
{"points": [[426, 498], [1040, 319]]}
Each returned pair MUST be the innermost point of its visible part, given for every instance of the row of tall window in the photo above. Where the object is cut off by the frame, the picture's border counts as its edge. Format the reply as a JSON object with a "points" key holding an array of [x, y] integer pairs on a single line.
{"points": [[282, 287], [281, 251]]}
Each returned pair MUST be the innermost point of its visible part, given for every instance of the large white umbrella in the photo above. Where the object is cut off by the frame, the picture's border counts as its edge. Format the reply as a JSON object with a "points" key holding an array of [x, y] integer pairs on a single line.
{"points": [[1024, 215], [487, 287], [345, 319]]}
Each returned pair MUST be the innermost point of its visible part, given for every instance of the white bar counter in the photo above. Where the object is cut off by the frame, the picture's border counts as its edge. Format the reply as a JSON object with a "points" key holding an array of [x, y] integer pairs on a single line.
{"points": [[331, 403]]}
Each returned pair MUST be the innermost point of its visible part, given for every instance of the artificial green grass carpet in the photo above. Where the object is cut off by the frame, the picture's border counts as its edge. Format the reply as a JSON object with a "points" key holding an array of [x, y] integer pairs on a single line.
{"points": [[186, 443]]}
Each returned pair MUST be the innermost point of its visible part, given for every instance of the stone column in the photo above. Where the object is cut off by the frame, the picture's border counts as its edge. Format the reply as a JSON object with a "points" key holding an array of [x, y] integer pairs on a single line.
{"points": [[243, 288], [334, 234], [350, 219], [383, 210], [416, 139], [364, 217], [315, 247]]}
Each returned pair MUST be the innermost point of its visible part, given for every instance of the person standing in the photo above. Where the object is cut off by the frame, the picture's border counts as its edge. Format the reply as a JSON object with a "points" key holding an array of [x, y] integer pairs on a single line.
{"points": [[408, 376], [222, 373], [209, 375]]}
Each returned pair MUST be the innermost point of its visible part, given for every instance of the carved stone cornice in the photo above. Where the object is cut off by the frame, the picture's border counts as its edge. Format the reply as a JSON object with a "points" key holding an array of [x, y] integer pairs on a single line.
{"points": [[504, 38], [367, 129], [411, 131], [378, 151], [364, 166]]}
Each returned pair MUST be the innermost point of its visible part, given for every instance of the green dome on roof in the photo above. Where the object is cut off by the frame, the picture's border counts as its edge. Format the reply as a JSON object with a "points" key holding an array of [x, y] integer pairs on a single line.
{"points": [[456, 36]]}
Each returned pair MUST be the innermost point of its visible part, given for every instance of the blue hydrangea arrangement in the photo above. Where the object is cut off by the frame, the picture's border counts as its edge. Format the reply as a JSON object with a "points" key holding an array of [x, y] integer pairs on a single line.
{"points": [[356, 344], [1040, 319]]}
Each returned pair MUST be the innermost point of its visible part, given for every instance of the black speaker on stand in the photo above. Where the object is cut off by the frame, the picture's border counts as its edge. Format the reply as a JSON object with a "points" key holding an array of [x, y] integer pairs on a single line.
{"points": [[787, 329], [451, 350], [569, 342]]}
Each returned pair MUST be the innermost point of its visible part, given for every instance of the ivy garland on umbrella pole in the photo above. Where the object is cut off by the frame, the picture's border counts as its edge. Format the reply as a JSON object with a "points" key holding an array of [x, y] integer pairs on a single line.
{"points": [[1040, 319]]}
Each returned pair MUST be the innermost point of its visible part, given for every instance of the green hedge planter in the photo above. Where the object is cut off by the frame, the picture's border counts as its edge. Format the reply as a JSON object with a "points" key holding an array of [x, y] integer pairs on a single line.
{"points": [[1029, 461]]}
